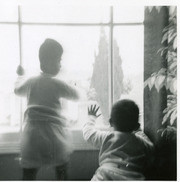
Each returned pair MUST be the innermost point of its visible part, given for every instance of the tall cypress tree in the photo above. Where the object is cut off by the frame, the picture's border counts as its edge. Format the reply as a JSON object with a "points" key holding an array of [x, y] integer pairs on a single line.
{"points": [[100, 76]]}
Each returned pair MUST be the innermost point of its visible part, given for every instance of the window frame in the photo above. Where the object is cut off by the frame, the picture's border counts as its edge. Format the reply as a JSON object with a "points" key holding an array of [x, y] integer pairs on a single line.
{"points": [[79, 143]]}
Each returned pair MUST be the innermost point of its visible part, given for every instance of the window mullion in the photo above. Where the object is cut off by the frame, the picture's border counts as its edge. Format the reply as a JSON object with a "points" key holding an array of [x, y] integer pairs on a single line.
{"points": [[20, 62], [110, 63]]}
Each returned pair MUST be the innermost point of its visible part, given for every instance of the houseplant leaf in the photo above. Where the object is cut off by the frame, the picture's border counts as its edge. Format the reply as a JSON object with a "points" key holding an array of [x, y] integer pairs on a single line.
{"points": [[167, 115], [159, 82], [151, 81], [173, 117], [165, 37], [175, 43], [173, 86]]}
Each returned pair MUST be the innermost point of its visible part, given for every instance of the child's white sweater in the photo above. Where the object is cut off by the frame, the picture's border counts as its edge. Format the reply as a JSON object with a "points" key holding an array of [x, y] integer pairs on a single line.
{"points": [[122, 156], [45, 139]]}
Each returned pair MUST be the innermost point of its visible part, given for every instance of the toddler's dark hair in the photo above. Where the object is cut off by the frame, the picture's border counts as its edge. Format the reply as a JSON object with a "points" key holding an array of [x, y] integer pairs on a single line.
{"points": [[49, 53], [125, 115]]}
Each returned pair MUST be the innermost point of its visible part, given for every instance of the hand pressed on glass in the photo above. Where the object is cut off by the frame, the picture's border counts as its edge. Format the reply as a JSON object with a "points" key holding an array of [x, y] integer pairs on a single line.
{"points": [[92, 110]]}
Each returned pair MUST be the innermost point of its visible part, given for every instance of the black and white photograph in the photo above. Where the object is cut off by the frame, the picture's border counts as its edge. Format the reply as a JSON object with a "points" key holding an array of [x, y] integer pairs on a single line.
{"points": [[88, 90]]}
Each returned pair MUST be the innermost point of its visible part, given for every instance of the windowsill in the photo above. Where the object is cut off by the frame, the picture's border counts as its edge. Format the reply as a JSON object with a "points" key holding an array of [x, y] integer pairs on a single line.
{"points": [[10, 142], [9, 148]]}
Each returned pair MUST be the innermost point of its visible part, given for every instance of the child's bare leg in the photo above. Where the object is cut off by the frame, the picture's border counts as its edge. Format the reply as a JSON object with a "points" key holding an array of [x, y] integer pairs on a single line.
{"points": [[29, 173], [61, 172]]}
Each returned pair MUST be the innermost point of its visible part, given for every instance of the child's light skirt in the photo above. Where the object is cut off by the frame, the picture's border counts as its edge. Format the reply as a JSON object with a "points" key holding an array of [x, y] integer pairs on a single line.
{"points": [[45, 142]]}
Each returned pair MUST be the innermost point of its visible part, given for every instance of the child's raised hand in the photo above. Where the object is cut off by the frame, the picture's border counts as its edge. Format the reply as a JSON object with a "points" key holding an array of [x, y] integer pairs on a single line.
{"points": [[20, 70], [92, 110]]}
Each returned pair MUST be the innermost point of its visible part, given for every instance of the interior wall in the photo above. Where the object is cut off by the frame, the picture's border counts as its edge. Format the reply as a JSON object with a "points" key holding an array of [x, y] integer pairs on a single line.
{"points": [[81, 167], [154, 102]]}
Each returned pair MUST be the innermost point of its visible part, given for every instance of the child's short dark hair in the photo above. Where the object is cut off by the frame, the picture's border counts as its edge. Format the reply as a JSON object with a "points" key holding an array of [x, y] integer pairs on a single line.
{"points": [[50, 51], [125, 115]]}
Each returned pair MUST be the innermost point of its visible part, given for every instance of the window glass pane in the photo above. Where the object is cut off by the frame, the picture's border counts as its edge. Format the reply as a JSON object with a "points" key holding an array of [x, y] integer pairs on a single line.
{"points": [[128, 14], [128, 63], [9, 56], [84, 51], [65, 14], [8, 12]]}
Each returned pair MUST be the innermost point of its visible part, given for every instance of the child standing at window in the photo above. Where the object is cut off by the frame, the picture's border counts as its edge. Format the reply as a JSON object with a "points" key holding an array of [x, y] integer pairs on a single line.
{"points": [[125, 152], [45, 139]]}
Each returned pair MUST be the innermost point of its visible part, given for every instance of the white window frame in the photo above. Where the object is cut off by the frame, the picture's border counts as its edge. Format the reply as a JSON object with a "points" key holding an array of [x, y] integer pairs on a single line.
{"points": [[79, 143]]}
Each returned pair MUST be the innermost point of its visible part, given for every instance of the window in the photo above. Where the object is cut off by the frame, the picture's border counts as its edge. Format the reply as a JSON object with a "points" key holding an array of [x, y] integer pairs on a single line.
{"points": [[130, 48], [103, 54], [9, 104]]}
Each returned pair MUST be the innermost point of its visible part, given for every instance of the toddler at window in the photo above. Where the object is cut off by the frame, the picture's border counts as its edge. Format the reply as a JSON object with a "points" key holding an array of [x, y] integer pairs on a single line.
{"points": [[125, 152], [45, 139]]}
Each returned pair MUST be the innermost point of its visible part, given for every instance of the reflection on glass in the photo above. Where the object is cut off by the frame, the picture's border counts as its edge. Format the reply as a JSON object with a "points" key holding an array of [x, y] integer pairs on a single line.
{"points": [[128, 63]]}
